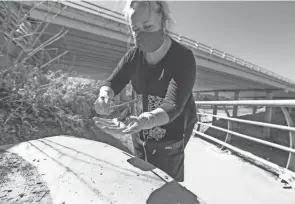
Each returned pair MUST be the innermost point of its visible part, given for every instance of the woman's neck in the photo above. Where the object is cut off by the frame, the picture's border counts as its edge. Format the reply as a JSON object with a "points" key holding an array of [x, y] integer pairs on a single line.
{"points": [[156, 56]]}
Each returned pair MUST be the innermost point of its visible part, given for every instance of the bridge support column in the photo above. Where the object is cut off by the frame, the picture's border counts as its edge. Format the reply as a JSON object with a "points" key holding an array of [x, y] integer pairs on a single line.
{"points": [[215, 107], [231, 124], [126, 93], [196, 96], [254, 110], [123, 96], [117, 99], [235, 110], [268, 115]]}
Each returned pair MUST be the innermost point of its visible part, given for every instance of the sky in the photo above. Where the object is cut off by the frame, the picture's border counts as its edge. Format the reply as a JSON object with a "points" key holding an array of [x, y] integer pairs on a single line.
{"points": [[261, 32]]}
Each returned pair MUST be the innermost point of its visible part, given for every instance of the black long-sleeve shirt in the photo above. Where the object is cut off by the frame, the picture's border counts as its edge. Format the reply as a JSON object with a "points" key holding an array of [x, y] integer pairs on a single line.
{"points": [[169, 86]]}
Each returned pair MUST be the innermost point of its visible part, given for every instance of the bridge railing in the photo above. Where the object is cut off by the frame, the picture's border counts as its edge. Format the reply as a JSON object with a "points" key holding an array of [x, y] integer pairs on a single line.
{"points": [[205, 48], [282, 104], [119, 18]]}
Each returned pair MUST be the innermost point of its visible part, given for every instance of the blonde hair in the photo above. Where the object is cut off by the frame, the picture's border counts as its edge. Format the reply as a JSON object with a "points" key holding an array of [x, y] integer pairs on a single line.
{"points": [[162, 8]]}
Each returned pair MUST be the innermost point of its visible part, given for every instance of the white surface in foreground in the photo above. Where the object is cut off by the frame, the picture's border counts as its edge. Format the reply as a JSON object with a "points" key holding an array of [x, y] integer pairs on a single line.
{"points": [[84, 171], [221, 178]]}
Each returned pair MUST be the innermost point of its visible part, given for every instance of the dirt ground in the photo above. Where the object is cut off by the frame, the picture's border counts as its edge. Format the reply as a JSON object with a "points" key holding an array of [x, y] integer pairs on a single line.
{"points": [[20, 182]]}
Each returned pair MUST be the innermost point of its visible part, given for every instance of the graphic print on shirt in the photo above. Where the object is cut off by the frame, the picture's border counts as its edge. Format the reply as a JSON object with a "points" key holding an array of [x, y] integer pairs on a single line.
{"points": [[153, 103]]}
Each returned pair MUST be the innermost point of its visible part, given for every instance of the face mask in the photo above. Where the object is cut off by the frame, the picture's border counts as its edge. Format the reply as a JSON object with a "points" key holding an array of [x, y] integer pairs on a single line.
{"points": [[149, 41]]}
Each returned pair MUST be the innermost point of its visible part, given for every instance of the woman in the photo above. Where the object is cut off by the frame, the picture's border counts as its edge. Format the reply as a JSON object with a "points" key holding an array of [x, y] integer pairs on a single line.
{"points": [[162, 73]]}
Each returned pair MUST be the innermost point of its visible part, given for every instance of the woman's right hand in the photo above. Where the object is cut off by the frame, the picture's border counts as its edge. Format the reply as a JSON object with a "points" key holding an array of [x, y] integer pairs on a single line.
{"points": [[102, 105]]}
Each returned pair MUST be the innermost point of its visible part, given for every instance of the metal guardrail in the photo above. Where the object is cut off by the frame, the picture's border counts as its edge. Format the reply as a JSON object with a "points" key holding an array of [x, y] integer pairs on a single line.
{"points": [[118, 17], [270, 103], [273, 103]]}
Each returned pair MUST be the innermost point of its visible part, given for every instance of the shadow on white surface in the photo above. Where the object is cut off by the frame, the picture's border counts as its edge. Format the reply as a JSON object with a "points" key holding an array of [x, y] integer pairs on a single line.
{"points": [[173, 193]]}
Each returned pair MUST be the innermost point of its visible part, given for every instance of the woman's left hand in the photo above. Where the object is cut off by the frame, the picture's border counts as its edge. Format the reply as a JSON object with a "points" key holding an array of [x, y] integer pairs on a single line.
{"points": [[114, 127], [134, 125]]}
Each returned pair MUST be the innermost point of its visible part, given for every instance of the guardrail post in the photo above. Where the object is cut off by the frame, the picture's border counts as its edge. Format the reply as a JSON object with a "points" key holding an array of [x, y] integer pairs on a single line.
{"points": [[268, 115], [215, 107], [291, 158]]}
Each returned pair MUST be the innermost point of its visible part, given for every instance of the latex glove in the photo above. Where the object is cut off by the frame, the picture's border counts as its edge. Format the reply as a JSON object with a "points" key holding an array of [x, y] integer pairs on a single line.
{"points": [[102, 104], [113, 127], [135, 124], [131, 125], [146, 120]]}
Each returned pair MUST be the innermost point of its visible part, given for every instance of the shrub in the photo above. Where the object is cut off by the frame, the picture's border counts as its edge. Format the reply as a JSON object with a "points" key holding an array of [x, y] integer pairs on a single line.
{"points": [[34, 96]]}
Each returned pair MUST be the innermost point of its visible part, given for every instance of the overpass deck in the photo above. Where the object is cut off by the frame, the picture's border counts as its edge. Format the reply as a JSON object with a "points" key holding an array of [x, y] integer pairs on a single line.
{"points": [[97, 39]]}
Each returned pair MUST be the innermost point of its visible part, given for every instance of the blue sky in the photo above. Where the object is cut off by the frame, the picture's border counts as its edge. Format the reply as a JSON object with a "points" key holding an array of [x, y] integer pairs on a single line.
{"points": [[262, 33]]}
